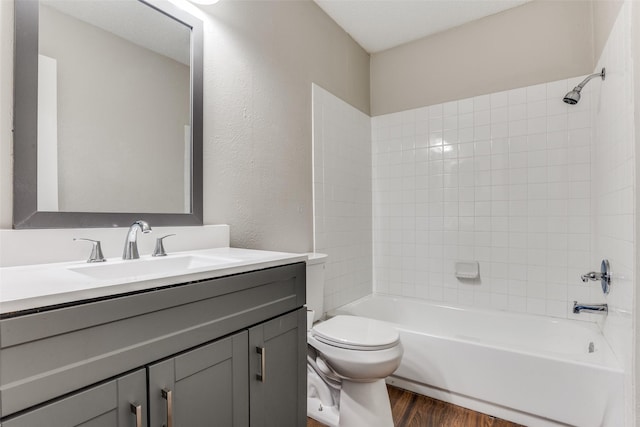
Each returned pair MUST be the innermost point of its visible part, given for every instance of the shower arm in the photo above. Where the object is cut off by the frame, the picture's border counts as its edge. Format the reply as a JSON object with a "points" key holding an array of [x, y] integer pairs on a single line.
{"points": [[592, 76]]}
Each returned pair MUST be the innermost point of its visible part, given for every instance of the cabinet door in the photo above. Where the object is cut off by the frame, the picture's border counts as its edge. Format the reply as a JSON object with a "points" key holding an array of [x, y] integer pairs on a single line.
{"points": [[277, 371], [207, 386], [106, 405]]}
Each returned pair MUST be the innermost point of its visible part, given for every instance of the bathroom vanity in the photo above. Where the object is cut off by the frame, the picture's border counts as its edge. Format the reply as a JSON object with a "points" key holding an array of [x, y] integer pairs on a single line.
{"points": [[223, 346]]}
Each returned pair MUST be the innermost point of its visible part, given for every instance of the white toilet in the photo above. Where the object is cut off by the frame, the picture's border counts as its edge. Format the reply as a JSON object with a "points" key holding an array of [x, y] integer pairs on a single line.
{"points": [[348, 359]]}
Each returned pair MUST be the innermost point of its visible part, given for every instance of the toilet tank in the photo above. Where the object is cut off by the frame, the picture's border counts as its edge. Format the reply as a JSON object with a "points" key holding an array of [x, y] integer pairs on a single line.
{"points": [[315, 283]]}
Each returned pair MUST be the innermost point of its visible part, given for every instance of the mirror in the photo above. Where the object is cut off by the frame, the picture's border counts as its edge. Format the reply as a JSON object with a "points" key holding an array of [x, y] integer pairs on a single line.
{"points": [[108, 114]]}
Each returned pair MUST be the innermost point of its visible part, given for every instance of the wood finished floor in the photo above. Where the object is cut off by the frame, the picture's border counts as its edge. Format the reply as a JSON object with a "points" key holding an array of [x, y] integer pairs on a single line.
{"points": [[414, 410]]}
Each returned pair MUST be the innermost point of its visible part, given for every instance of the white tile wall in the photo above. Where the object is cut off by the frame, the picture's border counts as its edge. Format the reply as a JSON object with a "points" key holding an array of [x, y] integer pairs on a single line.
{"points": [[342, 197], [504, 179], [613, 189]]}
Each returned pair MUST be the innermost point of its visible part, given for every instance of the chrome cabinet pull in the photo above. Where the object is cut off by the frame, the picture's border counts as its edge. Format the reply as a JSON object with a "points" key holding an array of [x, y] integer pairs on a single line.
{"points": [[263, 363], [137, 411], [166, 394]]}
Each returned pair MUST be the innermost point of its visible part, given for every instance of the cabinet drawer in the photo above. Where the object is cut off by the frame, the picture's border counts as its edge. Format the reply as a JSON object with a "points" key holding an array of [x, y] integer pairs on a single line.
{"points": [[45, 355]]}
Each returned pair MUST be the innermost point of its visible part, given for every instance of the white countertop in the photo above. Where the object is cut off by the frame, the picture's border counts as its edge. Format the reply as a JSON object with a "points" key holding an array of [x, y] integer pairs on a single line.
{"points": [[34, 286]]}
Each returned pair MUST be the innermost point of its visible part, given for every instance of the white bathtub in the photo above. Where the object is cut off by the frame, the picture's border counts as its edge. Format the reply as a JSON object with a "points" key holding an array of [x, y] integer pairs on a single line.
{"points": [[533, 370]]}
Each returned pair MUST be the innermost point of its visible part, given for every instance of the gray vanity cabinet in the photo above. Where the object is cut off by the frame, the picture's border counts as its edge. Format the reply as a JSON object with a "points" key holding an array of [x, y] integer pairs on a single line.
{"points": [[206, 386], [111, 404], [188, 349], [251, 378]]}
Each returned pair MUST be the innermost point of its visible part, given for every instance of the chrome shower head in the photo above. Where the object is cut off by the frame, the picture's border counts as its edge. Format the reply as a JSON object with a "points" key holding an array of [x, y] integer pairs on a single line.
{"points": [[573, 97]]}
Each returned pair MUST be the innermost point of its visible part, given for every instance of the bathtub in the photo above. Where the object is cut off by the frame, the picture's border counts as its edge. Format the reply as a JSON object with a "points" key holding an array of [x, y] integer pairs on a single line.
{"points": [[533, 370]]}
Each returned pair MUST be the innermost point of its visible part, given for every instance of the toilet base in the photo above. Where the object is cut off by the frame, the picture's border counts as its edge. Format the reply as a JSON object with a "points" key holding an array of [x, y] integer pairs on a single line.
{"points": [[365, 404], [327, 415], [321, 400]]}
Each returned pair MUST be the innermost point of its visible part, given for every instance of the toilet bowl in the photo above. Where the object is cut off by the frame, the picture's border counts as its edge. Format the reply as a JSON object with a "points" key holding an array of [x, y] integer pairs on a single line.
{"points": [[348, 359], [360, 353], [357, 348]]}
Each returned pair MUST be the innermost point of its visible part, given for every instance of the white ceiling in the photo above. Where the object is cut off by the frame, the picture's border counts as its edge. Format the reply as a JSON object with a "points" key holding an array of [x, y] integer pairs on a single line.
{"points": [[382, 24]]}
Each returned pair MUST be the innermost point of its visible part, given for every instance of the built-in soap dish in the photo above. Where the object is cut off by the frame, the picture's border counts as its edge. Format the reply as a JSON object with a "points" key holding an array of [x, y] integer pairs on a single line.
{"points": [[467, 269]]}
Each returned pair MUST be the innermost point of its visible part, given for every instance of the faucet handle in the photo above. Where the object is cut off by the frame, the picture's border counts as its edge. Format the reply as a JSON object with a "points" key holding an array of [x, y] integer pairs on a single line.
{"points": [[159, 249], [592, 275], [96, 250], [604, 276]]}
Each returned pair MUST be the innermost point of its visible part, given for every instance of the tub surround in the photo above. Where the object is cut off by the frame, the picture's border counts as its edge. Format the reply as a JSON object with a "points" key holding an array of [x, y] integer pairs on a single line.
{"points": [[342, 196], [613, 190], [503, 179]]}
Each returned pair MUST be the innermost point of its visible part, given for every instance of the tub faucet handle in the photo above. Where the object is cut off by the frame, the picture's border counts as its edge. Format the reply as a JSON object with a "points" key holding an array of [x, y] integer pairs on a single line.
{"points": [[592, 275], [604, 276]]}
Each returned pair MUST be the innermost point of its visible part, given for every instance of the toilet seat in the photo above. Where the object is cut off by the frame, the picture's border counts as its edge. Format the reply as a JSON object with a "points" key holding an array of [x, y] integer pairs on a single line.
{"points": [[356, 333]]}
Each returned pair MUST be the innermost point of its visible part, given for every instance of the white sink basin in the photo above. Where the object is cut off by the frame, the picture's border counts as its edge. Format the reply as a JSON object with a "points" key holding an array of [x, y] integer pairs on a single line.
{"points": [[149, 266]]}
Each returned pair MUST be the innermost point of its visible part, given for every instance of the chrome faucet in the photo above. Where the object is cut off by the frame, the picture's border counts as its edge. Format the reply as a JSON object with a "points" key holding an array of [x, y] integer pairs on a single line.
{"points": [[131, 242], [598, 308]]}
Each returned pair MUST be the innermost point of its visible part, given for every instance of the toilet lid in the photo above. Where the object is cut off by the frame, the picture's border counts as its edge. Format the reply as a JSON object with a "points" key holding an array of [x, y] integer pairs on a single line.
{"points": [[355, 332]]}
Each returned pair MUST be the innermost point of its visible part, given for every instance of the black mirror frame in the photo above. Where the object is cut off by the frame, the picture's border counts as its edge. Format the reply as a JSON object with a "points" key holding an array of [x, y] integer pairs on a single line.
{"points": [[25, 138]]}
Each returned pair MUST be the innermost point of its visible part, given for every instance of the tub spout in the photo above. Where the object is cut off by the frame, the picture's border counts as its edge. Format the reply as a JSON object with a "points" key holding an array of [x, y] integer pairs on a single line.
{"points": [[598, 308]]}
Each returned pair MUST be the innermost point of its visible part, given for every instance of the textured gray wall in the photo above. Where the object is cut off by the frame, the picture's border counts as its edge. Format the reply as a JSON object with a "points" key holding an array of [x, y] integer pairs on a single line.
{"points": [[262, 57], [605, 13], [537, 42]]}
